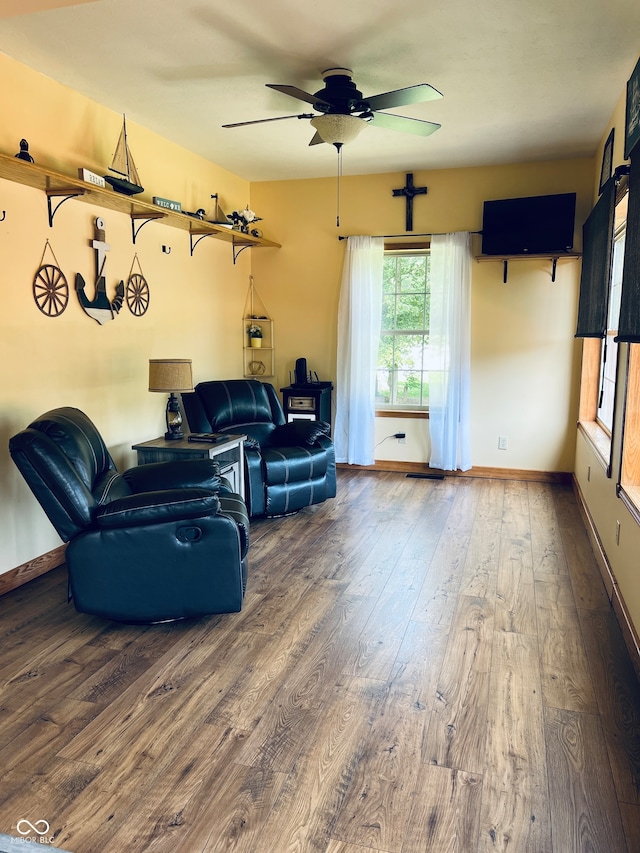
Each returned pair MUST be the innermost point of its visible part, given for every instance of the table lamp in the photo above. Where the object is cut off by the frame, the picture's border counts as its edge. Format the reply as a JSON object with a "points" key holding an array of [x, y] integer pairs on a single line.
{"points": [[172, 375]]}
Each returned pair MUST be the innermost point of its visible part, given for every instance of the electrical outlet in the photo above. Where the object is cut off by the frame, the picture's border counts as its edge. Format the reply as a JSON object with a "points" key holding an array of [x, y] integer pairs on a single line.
{"points": [[502, 442], [402, 438]]}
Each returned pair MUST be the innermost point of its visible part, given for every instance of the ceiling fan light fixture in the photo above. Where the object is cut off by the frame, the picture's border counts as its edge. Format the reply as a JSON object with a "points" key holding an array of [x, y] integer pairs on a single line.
{"points": [[337, 129]]}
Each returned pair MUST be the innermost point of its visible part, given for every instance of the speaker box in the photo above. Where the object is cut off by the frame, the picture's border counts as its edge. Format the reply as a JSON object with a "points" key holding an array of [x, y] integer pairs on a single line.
{"points": [[301, 371]]}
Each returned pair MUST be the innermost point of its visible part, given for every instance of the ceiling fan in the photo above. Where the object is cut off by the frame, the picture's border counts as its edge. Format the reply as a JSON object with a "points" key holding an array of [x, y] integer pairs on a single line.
{"points": [[344, 110]]}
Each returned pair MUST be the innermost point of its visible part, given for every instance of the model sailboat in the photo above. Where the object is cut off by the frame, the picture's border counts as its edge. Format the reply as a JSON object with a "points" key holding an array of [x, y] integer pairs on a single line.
{"points": [[126, 179], [219, 216]]}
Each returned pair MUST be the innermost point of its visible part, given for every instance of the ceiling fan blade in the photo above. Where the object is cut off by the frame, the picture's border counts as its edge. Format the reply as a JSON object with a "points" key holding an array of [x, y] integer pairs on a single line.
{"points": [[263, 120], [294, 92], [404, 124], [401, 97]]}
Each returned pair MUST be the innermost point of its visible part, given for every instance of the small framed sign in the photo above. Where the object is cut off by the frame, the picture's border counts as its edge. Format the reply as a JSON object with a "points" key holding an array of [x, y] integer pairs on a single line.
{"points": [[607, 161], [167, 203], [632, 118], [91, 177]]}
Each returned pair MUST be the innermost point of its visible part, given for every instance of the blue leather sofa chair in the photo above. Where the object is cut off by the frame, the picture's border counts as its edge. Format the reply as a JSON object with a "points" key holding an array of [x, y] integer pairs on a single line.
{"points": [[156, 543], [288, 466]]}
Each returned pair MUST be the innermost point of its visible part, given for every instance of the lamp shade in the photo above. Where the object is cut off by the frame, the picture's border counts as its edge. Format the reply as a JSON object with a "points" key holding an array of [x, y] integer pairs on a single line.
{"points": [[170, 374], [337, 129]]}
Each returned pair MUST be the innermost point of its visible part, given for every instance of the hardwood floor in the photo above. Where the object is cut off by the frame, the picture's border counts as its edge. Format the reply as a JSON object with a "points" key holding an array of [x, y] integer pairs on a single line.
{"points": [[420, 665]]}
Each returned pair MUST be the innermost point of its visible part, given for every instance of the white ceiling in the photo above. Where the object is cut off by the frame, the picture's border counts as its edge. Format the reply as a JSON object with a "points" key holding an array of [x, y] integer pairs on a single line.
{"points": [[522, 81]]}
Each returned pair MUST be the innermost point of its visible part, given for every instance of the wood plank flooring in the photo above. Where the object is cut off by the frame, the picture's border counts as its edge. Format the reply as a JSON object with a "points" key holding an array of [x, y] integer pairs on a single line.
{"points": [[420, 665]]}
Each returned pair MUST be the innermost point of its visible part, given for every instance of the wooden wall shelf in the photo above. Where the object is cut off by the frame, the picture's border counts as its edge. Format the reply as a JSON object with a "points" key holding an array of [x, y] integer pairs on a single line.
{"points": [[259, 361], [553, 260], [63, 187]]}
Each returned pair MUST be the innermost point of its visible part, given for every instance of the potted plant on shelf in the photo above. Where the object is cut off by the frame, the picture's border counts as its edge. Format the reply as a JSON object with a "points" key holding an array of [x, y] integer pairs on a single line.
{"points": [[255, 335]]}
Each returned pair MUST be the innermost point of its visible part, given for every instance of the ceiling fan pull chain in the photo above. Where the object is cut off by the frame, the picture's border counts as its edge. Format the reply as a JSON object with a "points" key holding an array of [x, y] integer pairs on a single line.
{"points": [[338, 146]]}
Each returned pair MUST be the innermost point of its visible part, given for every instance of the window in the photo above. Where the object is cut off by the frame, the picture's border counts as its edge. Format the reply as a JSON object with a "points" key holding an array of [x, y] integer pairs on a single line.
{"points": [[629, 481], [629, 484], [600, 383], [402, 379], [609, 349]]}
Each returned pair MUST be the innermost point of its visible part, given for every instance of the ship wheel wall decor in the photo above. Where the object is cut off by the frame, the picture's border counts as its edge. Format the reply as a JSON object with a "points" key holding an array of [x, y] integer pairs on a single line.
{"points": [[137, 293], [50, 287]]}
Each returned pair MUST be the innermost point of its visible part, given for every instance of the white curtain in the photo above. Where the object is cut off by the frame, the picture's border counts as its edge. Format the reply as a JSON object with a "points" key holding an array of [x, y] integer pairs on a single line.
{"points": [[449, 349], [359, 316]]}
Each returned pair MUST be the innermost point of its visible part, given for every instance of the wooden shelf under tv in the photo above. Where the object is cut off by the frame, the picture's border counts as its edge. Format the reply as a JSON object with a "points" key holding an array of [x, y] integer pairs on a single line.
{"points": [[64, 187], [547, 256]]}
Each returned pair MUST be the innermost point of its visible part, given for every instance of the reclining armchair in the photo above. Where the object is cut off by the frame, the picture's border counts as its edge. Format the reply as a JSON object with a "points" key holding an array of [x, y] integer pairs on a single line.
{"points": [[288, 466], [159, 542]]}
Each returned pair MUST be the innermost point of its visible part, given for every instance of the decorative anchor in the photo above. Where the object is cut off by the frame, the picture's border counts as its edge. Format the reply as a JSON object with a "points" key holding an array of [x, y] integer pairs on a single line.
{"points": [[409, 192], [100, 308]]}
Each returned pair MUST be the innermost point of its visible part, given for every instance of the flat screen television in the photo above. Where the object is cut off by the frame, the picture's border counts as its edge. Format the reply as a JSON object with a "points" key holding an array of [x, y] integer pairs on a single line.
{"points": [[535, 225]]}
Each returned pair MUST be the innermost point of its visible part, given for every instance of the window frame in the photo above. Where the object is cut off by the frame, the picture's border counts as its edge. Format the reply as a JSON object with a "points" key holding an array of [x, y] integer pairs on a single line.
{"points": [[600, 438], [609, 347], [407, 409], [628, 485]]}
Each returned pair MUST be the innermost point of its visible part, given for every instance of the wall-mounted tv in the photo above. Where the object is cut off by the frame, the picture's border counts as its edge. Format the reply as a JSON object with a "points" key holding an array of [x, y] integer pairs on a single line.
{"points": [[535, 225]]}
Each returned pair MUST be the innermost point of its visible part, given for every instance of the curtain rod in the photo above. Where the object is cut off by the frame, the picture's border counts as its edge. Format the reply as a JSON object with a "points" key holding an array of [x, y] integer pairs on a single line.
{"points": [[410, 234]]}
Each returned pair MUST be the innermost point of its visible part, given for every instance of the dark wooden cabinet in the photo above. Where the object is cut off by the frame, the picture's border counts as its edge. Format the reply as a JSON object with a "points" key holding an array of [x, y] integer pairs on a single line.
{"points": [[307, 402]]}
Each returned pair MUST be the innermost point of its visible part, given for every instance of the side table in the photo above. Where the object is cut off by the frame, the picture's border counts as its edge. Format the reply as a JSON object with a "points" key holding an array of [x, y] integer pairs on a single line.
{"points": [[228, 453], [311, 401]]}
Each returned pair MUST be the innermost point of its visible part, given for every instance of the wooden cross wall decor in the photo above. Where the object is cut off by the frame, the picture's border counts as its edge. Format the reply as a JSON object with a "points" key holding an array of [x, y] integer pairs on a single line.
{"points": [[409, 191]]}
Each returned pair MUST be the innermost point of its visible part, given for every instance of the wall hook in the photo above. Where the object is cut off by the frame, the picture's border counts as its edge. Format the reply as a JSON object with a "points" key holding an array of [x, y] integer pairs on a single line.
{"points": [[4, 215]]}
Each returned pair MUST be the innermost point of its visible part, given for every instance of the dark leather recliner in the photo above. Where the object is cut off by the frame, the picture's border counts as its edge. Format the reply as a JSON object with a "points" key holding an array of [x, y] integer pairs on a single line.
{"points": [[288, 466], [159, 542]]}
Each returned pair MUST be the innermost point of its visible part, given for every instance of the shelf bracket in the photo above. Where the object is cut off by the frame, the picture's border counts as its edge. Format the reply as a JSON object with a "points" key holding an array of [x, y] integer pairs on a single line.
{"points": [[236, 249], [200, 235], [63, 195], [145, 217], [505, 269]]}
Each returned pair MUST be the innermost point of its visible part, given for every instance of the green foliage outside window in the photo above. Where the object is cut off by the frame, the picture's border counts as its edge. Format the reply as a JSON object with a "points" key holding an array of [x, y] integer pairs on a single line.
{"points": [[402, 376]]}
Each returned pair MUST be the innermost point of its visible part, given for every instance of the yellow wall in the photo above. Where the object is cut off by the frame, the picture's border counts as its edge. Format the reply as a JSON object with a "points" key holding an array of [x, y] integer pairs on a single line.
{"points": [[525, 361], [195, 302], [598, 490]]}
